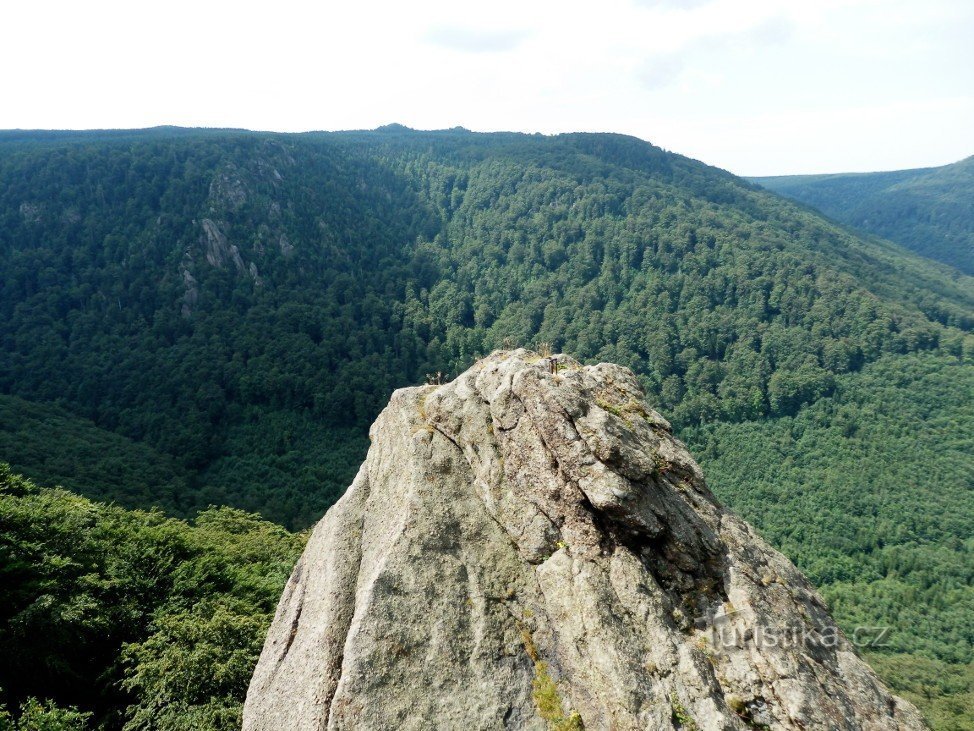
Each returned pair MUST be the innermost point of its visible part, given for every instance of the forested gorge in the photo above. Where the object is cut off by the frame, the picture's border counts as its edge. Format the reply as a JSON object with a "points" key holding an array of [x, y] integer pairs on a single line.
{"points": [[226, 312]]}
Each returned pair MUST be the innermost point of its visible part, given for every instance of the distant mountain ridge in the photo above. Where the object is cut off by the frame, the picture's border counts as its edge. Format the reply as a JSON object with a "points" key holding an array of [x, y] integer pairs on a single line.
{"points": [[928, 210]]}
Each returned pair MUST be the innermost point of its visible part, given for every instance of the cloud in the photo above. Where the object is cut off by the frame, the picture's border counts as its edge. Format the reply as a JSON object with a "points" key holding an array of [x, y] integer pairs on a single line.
{"points": [[660, 71], [672, 4], [771, 31], [475, 40], [664, 68]]}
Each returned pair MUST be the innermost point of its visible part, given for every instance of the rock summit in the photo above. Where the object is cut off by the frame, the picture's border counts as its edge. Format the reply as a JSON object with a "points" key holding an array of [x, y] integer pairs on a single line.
{"points": [[529, 547]]}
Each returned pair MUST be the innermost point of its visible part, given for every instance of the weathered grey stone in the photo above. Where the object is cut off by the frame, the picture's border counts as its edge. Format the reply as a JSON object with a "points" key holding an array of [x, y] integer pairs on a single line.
{"points": [[191, 290], [228, 191], [218, 250], [532, 549]]}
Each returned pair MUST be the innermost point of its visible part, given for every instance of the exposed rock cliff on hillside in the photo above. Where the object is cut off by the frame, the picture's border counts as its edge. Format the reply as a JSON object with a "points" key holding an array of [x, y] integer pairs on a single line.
{"points": [[529, 547]]}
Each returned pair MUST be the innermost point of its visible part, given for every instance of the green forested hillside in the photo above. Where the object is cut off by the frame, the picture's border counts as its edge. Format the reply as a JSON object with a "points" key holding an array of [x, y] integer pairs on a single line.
{"points": [[245, 303], [927, 210], [871, 492], [238, 306], [56, 448], [132, 618]]}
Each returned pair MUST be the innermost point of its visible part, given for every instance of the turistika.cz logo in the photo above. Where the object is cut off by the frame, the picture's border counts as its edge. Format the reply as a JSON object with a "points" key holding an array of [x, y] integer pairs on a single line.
{"points": [[723, 630]]}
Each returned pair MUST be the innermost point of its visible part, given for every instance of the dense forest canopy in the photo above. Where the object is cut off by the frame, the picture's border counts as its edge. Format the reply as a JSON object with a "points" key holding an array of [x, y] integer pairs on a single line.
{"points": [[191, 318], [927, 210]]}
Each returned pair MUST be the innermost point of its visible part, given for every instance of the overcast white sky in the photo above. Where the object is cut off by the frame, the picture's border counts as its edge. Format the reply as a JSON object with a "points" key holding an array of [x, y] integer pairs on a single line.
{"points": [[755, 86]]}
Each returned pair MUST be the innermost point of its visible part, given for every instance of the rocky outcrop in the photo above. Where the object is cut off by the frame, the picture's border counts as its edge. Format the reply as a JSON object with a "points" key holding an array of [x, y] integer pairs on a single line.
{"points": [[528, 547], [285, 245], [228, 191], [191, 289], [31, 212], [219, 251]]}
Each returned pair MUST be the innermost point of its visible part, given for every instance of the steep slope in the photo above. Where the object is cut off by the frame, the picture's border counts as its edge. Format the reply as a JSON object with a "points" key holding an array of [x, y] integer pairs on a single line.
{"points": [[529, 547], [928, 210], [56, 448], [125, 300], [871, 496]]}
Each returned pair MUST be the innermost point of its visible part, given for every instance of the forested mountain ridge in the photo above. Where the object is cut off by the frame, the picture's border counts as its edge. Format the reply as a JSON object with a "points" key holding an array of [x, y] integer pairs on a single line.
{"points": [[238, 300], [235, 307], [927, 210]]}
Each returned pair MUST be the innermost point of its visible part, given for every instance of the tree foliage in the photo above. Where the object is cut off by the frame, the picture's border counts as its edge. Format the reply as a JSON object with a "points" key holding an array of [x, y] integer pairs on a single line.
{"points": [[139, 619], [868, 491], [243, 304]]}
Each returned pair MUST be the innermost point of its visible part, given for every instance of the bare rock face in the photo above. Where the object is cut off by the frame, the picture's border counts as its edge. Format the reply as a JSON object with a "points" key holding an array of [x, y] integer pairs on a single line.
{"points": [[528, 547]]}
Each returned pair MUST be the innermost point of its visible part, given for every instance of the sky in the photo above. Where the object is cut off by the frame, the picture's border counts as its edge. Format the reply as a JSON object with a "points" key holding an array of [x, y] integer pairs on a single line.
{"points": [[759, 87]]}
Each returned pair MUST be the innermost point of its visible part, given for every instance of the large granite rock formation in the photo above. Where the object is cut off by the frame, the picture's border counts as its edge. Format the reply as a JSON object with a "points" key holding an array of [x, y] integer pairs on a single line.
{"points": [[528, 547]]}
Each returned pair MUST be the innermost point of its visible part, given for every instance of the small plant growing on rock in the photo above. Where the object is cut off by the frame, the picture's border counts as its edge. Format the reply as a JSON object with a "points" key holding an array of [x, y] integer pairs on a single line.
{"points": [[545, 693], [681, 716], [611, 408], [736, 704]]}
